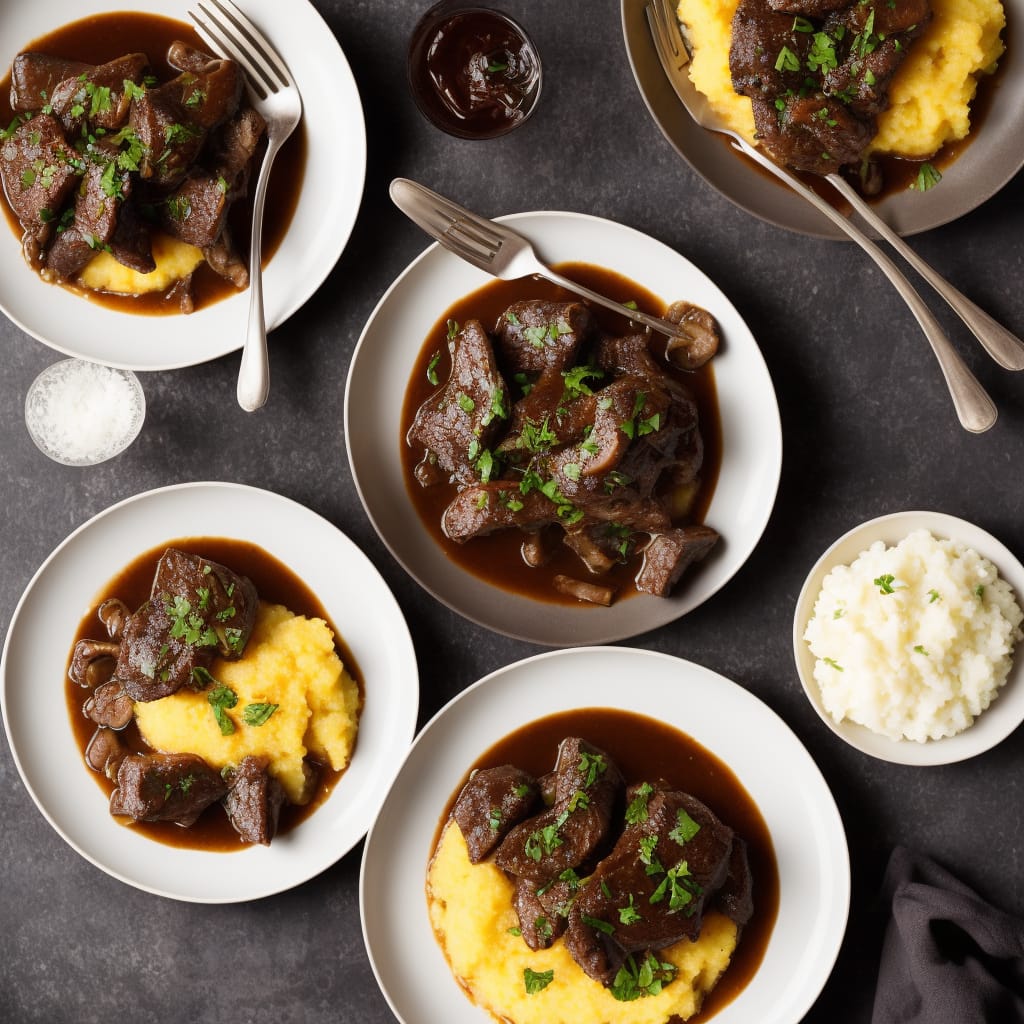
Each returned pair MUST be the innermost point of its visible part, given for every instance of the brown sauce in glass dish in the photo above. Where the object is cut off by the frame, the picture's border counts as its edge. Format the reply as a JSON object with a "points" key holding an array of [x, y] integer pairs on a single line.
{"points": [[473, 71], [497, 557], [105, 37], [644, 748], [274, 582]]}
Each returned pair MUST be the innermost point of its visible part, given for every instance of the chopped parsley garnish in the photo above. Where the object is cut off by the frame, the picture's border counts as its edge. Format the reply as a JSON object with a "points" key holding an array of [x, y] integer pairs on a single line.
{"points": [[885, 584], [629, 914], [466, 404], [686, 828], [933, 596], [927, 177], [220, 699], [787, 60], [646, 979], [832, 663], [258, 714], [680, 888], [637, 809], [432, 368], [536, 981], [597, 924], [188, 625], [494, 819], [592, 765]]}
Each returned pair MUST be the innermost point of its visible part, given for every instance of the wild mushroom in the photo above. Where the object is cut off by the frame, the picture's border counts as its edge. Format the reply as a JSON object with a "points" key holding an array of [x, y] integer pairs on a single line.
{"points": [[113, 613], [110, 706], [698, 338], [105, 752], [93, 662]]}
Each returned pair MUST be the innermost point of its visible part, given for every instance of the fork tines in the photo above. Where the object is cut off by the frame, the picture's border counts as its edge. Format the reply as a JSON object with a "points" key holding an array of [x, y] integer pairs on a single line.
{"points": [[224, 27]]}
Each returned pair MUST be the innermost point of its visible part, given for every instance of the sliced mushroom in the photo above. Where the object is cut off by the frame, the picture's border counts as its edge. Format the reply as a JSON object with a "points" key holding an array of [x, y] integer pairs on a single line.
{"points": [[591, 592], [110, 706], [93, 662], [535, 549], [113, 614], [698, 338], [105, 752]]}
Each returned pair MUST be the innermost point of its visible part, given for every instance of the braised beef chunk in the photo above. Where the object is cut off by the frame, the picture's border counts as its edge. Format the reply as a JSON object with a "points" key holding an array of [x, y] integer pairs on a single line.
{"points": [[736, 897], [38, 171], [197, 610], [101, 96], [165, 787], [34, 76], [573, 831], [536, 337], [818, 73], [457, 424], [490, 804], [253, 801], [652, 889], [538, 925], [670, 554], [98, 199], [480, 509]]}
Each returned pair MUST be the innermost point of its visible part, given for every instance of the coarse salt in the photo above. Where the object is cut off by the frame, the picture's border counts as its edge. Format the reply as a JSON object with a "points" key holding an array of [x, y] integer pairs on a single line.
{"points": [[80, 413]]}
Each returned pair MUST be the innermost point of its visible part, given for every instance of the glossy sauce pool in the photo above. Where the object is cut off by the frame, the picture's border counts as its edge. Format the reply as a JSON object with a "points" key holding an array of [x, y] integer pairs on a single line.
{"points": [[647, 749], [104, 37], [497, 557], [274, 582]]}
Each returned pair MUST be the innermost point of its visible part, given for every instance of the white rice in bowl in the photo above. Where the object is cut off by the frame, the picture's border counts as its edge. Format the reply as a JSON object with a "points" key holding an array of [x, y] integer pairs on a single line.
{"points": [[913, 641]]}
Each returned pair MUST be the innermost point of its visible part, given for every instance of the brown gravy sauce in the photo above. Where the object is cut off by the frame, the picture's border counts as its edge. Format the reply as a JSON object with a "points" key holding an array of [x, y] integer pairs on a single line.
{"points": [[646, 749], [104, 37], [274, 582], [496, 557]]}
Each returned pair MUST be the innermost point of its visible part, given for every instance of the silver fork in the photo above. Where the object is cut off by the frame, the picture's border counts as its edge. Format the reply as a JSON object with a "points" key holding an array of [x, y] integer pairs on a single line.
{"points": [[975, 409], [498, 250], [229, 33]]}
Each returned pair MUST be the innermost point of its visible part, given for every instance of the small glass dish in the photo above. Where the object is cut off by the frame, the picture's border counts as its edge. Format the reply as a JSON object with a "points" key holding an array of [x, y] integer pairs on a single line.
{"points": [[473, 70], [80, 413]]}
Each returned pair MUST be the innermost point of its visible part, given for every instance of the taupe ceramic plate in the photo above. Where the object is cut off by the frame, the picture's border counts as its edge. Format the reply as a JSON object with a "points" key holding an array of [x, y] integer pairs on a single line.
{"points": [[988, 163], [380, 370]]}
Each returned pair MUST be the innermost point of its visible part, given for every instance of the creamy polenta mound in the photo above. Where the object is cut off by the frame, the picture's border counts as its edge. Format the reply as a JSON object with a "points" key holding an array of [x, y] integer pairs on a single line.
{"points": [[174, 259], [930, 94], [471, 912], [290, 661]]}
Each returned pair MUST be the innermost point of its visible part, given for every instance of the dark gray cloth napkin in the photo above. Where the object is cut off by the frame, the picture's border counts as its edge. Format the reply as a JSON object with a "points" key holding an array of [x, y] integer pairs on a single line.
{"points": [[949, 957]]}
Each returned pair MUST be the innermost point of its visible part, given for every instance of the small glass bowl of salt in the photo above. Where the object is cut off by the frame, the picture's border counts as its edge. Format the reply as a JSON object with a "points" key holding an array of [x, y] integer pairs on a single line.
{"points": [[81, 413]]}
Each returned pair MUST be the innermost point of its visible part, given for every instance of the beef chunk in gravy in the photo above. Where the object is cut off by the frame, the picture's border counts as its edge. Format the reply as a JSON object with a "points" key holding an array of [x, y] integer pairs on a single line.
{"points": [[491, 803], [253, 801], [198, 610], [165, 787], [818, 73]]}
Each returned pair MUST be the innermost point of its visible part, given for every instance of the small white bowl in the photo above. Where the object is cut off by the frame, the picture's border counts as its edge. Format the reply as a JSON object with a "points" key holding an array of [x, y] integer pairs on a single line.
{"points": [[994, 724]]}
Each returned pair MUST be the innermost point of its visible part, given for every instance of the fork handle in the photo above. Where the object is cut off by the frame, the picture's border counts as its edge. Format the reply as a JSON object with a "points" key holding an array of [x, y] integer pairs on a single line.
{"points": [[1005, 348], [974, 408], [665, 327], [254, 371]]}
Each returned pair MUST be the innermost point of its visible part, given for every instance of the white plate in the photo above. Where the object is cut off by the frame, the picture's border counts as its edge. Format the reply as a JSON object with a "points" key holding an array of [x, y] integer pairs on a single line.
{"points": [[61, 593], [380, 370], [806, 831], [994, 724], [332, 189], [993, 157]]}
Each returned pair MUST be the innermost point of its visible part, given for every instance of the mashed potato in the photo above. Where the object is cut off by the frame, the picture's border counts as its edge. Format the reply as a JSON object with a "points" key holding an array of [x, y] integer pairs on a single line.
{"points": [[915, 640], [174, 260], [930, 94], [289, 661], [471, 912]]}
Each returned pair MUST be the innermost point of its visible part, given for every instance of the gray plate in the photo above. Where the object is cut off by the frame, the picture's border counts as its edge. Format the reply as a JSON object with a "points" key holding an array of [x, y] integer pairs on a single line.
{"points": [[986, 165]]}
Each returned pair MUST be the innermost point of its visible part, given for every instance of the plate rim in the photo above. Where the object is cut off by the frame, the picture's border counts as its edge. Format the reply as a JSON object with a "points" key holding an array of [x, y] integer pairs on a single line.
{"points": [[226, 329], [771, 458], [972, 741], [837, 865], [402, 719]]}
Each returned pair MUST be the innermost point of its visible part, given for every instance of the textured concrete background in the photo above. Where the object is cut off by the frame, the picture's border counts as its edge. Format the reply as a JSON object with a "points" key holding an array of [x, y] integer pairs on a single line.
{"points": [[868, 429]]}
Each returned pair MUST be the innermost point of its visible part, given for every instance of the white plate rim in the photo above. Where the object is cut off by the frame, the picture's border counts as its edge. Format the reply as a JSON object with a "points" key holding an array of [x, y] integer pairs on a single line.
{"points": [[747, 484], [996, 723], [383, 650], [391, 895], [332, 190]]}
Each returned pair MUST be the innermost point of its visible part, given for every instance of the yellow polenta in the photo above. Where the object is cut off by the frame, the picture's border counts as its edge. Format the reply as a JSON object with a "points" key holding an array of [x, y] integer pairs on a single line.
{"points": [[174, 260], [289, 661], [930, 94], [471, 912]]}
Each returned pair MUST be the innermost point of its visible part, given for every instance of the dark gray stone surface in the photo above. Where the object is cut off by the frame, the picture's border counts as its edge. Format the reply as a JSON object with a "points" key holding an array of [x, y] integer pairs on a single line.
{"points": [[868, 429]]}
